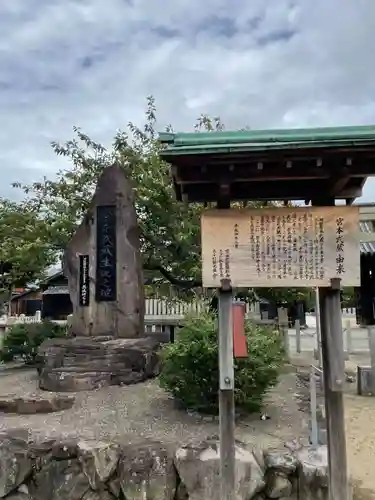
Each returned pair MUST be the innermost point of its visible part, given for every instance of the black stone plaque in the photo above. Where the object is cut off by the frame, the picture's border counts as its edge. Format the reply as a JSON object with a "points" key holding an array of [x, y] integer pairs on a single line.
{"points": [[105, 289], [84, 280]]}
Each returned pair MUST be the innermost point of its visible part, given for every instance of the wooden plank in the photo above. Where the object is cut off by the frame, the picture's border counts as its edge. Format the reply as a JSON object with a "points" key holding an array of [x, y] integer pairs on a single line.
{"points": [[332, 348], [226, 396], [334, 342], [280, 247]]}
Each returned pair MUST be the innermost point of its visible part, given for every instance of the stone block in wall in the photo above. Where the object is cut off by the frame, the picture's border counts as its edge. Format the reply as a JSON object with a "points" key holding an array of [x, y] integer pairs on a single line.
{"points": [[281, 460], [198, 468], [15, 464], [99, 461], [313, 473], [73, 469], [98, 495], [18, 496], [60, 480], [281, 468], [278, 485], [147, 472]]}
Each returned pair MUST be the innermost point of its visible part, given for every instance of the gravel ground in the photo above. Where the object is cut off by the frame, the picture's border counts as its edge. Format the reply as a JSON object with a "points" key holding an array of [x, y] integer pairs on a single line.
{"points": [[141, 411], [144, 411], [360, 429]]}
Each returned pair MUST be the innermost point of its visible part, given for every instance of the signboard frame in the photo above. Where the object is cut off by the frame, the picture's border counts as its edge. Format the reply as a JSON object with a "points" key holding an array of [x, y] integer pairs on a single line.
{"points": [[84, 280], [281, 246], [106, 254]]}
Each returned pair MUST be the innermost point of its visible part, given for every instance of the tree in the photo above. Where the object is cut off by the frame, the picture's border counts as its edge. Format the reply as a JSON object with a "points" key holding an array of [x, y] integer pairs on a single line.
{"points": [[170, 236], [170, 230], [25, 250]]}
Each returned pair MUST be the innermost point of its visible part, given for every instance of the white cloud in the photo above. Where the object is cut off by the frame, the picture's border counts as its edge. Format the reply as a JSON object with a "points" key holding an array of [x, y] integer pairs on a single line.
{"points": [[263, 63]]}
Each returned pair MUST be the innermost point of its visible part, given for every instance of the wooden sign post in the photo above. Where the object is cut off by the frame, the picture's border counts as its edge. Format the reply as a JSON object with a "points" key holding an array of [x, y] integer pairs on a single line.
{"points": [[284, 247], [334, 377], [226, 392]]}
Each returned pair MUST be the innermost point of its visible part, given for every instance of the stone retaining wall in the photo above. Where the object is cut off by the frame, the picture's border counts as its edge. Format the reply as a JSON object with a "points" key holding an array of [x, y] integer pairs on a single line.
{"points": [[61, 469]]}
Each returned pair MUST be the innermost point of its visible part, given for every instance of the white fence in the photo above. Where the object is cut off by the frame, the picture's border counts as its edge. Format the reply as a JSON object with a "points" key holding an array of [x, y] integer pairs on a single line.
{"points": [[161, 316], [349, 311], [157, 312], [157, 309]]}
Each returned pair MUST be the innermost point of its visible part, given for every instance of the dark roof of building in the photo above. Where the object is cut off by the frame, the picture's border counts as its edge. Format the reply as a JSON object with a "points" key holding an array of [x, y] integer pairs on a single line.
{"points": [[57, 290], [24, 294], [295, 164], [260, 140]]}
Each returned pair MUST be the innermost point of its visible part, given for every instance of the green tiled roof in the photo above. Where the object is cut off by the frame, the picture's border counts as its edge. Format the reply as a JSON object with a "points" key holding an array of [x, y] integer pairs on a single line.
{"points": [[258, 140]]}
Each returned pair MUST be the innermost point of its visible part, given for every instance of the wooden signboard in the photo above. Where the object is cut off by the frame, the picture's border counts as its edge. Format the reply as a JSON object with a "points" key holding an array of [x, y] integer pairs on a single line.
{"points": [[84, 281], [281, 247], [106, 260]]}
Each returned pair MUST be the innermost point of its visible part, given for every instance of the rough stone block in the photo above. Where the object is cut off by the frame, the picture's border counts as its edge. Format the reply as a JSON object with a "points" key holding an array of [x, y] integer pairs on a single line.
{"points": [[28, 405], [15, 464], [278, 485], [198, 468], [60, 480], [281, 460], [364, 380], [99, 461], [313, 473], [81, 364], [147, 472]]}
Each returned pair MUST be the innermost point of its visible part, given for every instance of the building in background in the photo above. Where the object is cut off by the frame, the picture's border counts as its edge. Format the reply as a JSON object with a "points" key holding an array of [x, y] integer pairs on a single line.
{"points": [[365, 295]]}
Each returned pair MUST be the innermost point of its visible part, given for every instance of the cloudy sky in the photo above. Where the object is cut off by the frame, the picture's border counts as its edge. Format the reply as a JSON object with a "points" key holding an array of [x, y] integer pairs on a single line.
{"points": [[257, 63]]}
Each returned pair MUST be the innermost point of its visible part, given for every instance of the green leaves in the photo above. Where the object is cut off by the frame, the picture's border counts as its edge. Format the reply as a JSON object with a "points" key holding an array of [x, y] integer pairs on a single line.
{"points": [[25, 247], [23, 340], [170, 230], [189, 367]]}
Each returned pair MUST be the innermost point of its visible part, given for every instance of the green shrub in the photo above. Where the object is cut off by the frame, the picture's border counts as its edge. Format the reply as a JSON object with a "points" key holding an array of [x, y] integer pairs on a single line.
{"points": [[23, 339], [190, 372]]}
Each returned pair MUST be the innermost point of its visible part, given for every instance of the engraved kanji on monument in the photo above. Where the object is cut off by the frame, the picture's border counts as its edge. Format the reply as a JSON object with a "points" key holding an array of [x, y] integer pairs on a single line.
{"points": [[103, 263]]}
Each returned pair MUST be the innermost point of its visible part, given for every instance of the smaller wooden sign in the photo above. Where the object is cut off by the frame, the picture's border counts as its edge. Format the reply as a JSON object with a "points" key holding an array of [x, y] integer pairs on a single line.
{"points": [[84, 280]]}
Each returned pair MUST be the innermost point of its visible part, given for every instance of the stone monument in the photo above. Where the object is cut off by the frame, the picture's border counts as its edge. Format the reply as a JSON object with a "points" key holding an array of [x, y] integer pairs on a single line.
{"points": [[103, 264]]}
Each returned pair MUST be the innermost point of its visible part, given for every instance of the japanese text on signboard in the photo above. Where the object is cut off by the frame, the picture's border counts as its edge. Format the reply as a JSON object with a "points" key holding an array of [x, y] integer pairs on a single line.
{"points": [[84, 281], [281, 247], [105, 254]]}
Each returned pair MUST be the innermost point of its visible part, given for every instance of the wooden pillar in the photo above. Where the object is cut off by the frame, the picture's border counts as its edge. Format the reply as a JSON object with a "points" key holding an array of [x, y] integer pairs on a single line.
{"points": [[334, 377], [226, 393], [318, 334]]}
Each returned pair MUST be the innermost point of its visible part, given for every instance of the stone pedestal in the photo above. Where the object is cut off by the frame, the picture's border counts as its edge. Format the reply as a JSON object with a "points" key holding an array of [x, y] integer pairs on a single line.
{"points": [[83, 364]]}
